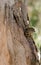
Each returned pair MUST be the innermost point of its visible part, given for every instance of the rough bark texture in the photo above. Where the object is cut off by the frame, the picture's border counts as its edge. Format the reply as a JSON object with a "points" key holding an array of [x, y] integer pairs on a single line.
{"points": [[15, 49]]}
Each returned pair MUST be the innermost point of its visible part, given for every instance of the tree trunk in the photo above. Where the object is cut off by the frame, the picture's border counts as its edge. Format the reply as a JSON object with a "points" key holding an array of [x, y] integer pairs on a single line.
{"points": [[14, 46]]}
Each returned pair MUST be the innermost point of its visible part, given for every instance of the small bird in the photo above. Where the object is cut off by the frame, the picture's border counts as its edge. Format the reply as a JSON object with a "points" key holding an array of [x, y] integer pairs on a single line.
{"points": [[28, 34], [28, 31]]}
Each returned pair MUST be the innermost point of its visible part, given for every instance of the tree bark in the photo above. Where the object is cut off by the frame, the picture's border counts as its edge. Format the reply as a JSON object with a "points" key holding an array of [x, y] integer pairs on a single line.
{"points": [[14, 46]]}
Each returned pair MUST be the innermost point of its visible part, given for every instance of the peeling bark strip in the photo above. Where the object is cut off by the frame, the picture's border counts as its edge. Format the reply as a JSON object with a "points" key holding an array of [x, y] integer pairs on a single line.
{"points": [[16, 45]]}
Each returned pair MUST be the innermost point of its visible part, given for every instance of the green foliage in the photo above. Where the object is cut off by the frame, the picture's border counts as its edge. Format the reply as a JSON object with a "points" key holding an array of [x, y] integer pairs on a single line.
{"points": [[30, 4], [34, 17], [35, 36]]}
